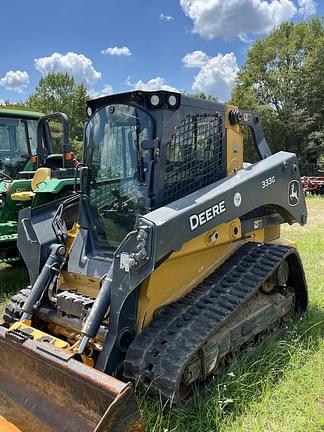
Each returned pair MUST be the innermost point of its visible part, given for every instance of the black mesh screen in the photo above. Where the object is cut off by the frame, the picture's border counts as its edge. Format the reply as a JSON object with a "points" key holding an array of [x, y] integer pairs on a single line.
{"points": [[195, 156]]}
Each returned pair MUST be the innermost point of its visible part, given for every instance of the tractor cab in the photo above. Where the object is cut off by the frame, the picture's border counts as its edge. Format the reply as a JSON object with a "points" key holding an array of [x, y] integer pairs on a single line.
{"points": [[18, 141], [51, 155], [38, 166], [28, 141]]}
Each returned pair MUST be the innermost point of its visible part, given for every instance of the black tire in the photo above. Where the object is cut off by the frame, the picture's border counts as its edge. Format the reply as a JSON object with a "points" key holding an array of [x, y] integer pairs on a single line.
{"points": [[13, 310]]}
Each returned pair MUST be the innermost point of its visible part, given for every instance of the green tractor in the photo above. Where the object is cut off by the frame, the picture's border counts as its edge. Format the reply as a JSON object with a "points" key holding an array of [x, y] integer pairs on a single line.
{"points": [[33, 171]]}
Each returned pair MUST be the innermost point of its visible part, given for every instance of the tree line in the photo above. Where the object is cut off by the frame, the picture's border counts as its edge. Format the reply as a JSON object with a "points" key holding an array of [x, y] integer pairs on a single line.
{"points": [[282, 78]]}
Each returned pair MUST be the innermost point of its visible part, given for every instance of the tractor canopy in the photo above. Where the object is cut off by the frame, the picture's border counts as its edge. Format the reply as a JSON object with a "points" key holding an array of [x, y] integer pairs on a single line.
{"points": [[18, 140]]}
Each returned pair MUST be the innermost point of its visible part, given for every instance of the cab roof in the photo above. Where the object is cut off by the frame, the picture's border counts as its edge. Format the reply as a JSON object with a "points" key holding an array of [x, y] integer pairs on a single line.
{"points": [[142, 97], [13, 113], [139, 96]]}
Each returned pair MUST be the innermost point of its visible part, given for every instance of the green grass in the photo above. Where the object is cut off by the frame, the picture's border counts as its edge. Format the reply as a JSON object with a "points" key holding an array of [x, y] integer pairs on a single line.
{"points": [[12, 279], [275, 387]]}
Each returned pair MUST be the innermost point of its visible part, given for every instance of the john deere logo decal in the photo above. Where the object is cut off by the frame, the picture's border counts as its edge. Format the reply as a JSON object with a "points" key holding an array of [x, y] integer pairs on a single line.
{"points": [[293, 193]]}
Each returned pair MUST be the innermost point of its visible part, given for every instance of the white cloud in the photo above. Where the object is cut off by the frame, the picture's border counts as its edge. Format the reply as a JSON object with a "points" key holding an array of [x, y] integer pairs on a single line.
{"points": [[128, 81], [214, 18], [244, 38], [117, 51], [157, 83], [307, 7], [166, 18], [106, 91], [15, 81], [216, 75], [2, 102], [76, 65], [195, 59]]}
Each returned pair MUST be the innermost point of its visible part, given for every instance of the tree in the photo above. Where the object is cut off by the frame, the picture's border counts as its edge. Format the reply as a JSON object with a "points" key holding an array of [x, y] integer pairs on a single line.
{"points": [[202, 95], [59, 92], [283, 79]]}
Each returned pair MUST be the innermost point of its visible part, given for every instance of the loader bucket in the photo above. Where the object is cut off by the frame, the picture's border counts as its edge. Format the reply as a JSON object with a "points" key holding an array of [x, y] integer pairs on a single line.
{"points": [[42, 388], [5, 426]]}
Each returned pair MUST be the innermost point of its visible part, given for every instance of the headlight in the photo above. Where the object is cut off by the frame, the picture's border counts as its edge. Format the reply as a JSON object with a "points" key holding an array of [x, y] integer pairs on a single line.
{"points": [[172, 101], [155, 100]]}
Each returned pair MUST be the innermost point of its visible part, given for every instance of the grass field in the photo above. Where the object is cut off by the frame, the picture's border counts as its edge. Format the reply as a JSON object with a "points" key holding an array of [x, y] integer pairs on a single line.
{"points": [[276, 387]]}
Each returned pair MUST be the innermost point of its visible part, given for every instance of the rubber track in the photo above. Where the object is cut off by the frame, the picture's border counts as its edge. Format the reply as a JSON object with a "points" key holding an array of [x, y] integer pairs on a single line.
{"points": [[157, 357]]}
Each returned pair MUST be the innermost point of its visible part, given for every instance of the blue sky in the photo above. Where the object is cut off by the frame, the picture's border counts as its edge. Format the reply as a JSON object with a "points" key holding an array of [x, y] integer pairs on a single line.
{"points": [[113, 46]]}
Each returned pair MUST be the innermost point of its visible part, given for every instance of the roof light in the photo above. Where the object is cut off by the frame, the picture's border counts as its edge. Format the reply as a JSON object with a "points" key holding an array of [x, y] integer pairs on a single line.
{"points": [[172, 101], [155, 100]]}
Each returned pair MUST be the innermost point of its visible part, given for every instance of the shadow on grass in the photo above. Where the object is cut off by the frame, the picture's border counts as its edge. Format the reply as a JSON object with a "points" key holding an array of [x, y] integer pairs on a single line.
{"points": [[12, 279], [243, 382]]}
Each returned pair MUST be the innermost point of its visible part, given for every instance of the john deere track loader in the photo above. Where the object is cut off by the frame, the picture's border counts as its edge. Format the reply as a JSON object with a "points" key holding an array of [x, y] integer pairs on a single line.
{"points": [[170, 260], [33, 173]]}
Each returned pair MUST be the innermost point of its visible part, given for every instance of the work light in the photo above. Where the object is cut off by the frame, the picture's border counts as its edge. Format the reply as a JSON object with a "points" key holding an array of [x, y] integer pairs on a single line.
{"points": [[155, 100], [172, 101]]}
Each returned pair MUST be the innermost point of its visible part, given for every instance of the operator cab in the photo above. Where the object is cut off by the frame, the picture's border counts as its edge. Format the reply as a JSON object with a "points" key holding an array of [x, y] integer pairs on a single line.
{"points": [[144, 150], [18, 141]]}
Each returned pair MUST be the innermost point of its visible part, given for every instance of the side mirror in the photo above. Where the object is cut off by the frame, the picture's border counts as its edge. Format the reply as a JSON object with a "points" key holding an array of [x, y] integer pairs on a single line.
{"points": [[84, 180]]}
